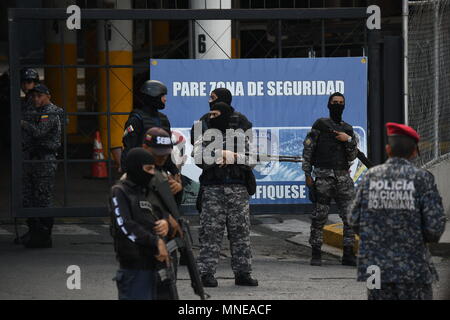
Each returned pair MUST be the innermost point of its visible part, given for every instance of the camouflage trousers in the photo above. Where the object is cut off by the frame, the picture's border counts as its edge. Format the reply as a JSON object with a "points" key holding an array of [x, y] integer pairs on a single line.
{"points": [[38, 189], [224, 206], [401, 291], [341, 189]]}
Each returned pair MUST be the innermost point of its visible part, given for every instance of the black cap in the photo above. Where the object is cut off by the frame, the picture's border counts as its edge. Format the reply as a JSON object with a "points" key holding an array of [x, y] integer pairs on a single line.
{"points": [[160, 140], [29, 74], [41, 88]]}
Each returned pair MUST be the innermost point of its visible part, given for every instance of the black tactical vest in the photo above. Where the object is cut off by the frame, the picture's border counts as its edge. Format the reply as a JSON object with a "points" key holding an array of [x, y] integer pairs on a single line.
{"points": [[149, 120], [235, 173], [128, 253], [330, 152]]}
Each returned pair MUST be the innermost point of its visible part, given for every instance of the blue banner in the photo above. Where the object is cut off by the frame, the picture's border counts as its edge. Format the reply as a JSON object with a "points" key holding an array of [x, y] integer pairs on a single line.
{"points": [[281, 97]]}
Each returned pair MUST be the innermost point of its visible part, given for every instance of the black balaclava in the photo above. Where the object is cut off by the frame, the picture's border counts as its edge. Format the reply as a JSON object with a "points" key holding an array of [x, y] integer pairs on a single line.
{"points": [[223, 95], [336, 109], [221, 122], [136, 158], [154, 102]]}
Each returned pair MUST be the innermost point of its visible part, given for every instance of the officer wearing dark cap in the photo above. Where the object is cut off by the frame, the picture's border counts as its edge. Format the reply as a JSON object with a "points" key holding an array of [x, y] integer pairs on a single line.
{"points": [[165, 188], [43, 132], [328, 150], [159, 143], [397, 212], [29, 78]]}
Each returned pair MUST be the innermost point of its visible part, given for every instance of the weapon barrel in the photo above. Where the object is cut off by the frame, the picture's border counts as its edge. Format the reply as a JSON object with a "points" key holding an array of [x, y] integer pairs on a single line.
{"points": [[271, 157], [194, 274], [362, 157]]}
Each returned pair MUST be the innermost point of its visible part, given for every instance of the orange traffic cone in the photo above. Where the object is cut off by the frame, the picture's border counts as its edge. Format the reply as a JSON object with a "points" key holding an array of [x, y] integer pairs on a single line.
{"points": [[98, 168]]}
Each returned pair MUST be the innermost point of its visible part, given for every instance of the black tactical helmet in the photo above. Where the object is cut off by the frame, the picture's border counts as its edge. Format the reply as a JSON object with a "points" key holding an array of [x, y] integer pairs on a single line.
{"points": [[154, 88], [29, 74]]}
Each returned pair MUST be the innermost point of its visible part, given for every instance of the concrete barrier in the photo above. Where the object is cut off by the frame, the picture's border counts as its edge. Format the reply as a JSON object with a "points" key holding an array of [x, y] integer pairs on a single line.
{"points": [[333, 235]]}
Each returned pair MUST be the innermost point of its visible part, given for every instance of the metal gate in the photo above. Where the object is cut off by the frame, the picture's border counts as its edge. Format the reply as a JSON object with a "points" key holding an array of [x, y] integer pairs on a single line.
{"points": [[75, 207]]}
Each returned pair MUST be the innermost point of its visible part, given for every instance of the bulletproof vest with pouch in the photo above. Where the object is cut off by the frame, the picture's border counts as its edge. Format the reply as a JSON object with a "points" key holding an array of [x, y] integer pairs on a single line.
{"points": [[330, 153], [232, 173]]}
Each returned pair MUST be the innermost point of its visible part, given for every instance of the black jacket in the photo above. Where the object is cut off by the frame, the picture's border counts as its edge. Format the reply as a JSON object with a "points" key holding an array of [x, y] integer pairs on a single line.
{"points": [[139, 121], [132, 221], [331, 153]]}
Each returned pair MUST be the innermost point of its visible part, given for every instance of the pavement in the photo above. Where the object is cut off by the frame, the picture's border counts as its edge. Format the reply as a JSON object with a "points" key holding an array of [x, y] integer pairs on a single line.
{"points": [[280, 263]]}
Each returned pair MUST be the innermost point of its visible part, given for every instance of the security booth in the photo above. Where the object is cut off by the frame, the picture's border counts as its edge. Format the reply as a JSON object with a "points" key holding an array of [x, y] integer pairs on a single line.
{"points": [[112, 73]]}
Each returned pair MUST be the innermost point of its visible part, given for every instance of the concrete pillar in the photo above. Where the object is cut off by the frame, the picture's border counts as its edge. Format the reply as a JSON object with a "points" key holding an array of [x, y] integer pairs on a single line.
{"points": [[212, 37], [120, 39]]}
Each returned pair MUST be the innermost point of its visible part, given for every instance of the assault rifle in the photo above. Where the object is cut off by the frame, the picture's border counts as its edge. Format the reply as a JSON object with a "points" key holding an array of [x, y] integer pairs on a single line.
{"points": [[167, 276], [270, 157], [184, 245], [182, 242]]}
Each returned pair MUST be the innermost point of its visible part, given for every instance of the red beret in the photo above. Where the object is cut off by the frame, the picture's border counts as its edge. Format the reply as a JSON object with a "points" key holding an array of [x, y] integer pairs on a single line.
{"points": [[397, 129]]}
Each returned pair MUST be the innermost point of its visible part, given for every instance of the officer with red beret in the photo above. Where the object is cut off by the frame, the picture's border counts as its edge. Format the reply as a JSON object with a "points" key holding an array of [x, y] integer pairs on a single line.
{"points": [[396, 212]]}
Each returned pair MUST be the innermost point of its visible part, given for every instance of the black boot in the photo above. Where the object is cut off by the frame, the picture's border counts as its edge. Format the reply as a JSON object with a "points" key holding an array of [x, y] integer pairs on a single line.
{"points": [[245, 279], [316, 256], [39, 239], [23, 238], [209, 281], [349, 258]]}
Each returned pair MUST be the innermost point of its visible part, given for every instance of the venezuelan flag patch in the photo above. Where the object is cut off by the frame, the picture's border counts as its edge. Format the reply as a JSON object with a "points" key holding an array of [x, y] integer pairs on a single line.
{"points": [[44, 117]]}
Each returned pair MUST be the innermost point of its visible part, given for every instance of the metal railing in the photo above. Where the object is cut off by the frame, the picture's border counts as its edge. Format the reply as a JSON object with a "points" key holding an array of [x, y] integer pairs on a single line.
{"points": [[16, 16]]}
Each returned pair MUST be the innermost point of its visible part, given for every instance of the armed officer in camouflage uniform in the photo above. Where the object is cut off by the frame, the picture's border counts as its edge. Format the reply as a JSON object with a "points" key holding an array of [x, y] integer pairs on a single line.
{"points": [[42, 132], [396, 212], [159, 144], [225, 200], [329, 147], [237, 120], [29, 78]]}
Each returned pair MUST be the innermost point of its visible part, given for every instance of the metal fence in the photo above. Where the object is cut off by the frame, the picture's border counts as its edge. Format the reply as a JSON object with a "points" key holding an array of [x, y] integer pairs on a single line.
{"points": [[88, 198], [429, 77]]}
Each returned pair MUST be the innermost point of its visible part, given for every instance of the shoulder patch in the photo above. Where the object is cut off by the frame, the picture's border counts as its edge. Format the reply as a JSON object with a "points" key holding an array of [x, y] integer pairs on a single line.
{"points": [[128, 130]]}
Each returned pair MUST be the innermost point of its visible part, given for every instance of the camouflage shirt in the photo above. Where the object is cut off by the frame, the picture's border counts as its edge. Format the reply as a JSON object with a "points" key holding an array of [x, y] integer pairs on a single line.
{"points": [[43, 130], [396, 211], [28, 114]]}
